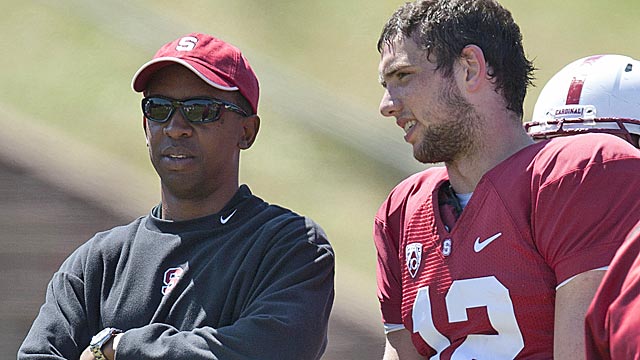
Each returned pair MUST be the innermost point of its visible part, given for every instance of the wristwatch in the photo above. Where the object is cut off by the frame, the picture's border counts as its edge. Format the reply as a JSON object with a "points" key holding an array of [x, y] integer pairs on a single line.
{"points": [[101, 338]]}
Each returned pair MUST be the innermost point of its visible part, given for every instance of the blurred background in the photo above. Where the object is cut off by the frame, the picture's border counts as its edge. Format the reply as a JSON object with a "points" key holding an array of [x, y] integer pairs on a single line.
{"points": [[73, 159]]}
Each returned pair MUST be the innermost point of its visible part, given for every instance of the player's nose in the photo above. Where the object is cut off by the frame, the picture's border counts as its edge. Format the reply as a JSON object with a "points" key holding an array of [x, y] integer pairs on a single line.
{"points": [[389, 105]]}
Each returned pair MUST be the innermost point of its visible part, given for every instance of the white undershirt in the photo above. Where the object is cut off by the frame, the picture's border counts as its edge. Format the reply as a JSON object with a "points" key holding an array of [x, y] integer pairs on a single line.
{"points": [[464, 199]]}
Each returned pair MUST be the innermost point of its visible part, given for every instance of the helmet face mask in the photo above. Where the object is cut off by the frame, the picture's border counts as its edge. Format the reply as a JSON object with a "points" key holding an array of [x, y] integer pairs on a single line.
{"points": [[598, 94]]}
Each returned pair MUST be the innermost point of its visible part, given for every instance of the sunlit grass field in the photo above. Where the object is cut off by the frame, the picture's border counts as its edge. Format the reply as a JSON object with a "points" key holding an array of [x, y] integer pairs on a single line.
{"points": [[68, 64]]}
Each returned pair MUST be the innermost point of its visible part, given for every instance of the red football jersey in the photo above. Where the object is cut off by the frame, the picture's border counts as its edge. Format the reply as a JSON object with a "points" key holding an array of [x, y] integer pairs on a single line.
{"points": [[613, 320], [487, 285]]}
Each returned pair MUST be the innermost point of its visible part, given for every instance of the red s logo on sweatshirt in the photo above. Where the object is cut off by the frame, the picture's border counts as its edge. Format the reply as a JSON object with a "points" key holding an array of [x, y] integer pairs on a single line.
{"points": [[171, 278]]}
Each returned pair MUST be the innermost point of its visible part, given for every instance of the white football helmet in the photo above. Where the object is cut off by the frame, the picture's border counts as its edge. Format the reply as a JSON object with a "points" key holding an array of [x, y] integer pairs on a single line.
{"points": [[599, 93]]}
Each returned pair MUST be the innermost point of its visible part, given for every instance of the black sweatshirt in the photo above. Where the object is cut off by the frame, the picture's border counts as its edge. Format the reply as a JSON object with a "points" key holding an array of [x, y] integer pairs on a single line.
{"points": [[254, 281]]}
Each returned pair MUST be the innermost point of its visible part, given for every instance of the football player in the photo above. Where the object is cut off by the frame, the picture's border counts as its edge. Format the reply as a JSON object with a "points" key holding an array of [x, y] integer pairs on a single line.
{"points": [[497, 254]]}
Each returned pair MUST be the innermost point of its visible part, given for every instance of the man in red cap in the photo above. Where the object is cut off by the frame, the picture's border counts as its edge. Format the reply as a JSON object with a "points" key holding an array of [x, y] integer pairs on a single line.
{"points": [[213, 272]]}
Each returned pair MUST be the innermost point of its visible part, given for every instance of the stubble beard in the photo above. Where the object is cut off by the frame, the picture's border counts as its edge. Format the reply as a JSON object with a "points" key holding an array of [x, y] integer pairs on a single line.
{"points": [[454, 135]]}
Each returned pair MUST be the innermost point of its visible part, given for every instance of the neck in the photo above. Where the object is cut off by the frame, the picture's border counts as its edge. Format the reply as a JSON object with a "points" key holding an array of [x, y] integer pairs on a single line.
{"points": [[465, 173], [180, 208]]}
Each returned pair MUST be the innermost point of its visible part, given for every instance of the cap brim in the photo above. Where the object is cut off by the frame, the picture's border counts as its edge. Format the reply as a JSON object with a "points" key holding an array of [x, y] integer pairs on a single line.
{"points": [[142, 76]]}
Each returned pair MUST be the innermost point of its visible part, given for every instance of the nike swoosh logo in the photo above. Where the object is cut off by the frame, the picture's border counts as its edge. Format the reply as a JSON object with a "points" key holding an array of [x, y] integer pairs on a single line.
{"points": [[478, 246], [223, 220]]}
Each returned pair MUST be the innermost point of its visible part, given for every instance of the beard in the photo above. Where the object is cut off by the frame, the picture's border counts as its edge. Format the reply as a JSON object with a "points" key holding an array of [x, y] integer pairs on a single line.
{"points": [[455, 132]]}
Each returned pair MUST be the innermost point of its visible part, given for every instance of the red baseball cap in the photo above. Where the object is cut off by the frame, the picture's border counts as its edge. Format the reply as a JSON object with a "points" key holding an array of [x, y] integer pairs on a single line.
{"points": [[218, 63]]}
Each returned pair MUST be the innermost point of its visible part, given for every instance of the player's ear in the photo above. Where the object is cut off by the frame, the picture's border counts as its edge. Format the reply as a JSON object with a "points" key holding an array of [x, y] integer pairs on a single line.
{"points": [[474, 67], [250, 127]]}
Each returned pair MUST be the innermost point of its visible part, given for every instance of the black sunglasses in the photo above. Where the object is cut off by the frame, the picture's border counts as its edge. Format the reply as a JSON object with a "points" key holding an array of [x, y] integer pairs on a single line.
{"points": [[196, 110]]}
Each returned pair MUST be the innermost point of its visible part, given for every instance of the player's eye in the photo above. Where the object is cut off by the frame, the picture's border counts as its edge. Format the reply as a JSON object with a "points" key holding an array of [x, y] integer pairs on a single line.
{"points": [[402, 75]]}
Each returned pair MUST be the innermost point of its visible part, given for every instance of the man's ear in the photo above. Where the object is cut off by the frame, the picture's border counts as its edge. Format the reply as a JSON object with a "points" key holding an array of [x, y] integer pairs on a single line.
{"points": [[144, 128], [250, 127], [473, 66]]}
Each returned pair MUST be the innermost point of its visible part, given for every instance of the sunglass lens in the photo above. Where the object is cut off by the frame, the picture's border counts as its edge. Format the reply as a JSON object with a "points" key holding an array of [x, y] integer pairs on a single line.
{"points": [[199, 110], [157, 109]]}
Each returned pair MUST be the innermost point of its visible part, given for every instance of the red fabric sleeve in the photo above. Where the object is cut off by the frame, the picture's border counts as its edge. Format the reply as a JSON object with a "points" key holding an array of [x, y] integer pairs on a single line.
{"points": [[582, 216], [613, 319], [389, 277]]}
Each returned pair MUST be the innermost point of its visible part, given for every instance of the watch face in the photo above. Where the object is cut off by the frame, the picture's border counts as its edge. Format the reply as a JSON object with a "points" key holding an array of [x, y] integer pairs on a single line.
{"points": [[101, 335]]}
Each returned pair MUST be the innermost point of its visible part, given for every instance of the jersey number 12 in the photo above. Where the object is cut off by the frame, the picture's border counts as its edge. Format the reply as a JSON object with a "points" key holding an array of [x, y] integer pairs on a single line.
{"points": [[463, 295]]}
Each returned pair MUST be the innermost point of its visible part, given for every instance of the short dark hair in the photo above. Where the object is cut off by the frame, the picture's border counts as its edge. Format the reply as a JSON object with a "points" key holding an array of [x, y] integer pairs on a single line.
{"points": [[242, 102], [445, 27]]}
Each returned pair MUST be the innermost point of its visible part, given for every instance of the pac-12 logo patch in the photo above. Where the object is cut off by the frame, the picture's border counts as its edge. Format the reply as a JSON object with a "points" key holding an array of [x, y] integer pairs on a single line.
{"points": [[171, 278], [413, 254]]}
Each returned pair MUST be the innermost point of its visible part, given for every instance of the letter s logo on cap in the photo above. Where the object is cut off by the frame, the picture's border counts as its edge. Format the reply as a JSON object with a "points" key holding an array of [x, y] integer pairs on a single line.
{"points": [[187, 43]]}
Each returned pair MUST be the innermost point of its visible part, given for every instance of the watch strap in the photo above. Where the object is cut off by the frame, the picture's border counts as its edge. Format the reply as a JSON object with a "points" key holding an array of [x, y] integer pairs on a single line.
{"points": [[101, 338]]}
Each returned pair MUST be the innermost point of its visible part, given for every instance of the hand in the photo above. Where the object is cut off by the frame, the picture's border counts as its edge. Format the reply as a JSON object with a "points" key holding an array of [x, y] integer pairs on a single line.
{"points": [[87, 355], [108, 349]]}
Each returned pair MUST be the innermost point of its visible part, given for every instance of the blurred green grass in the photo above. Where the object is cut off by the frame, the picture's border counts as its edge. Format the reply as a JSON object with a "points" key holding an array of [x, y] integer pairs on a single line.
{"points": [[68, 64]]}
